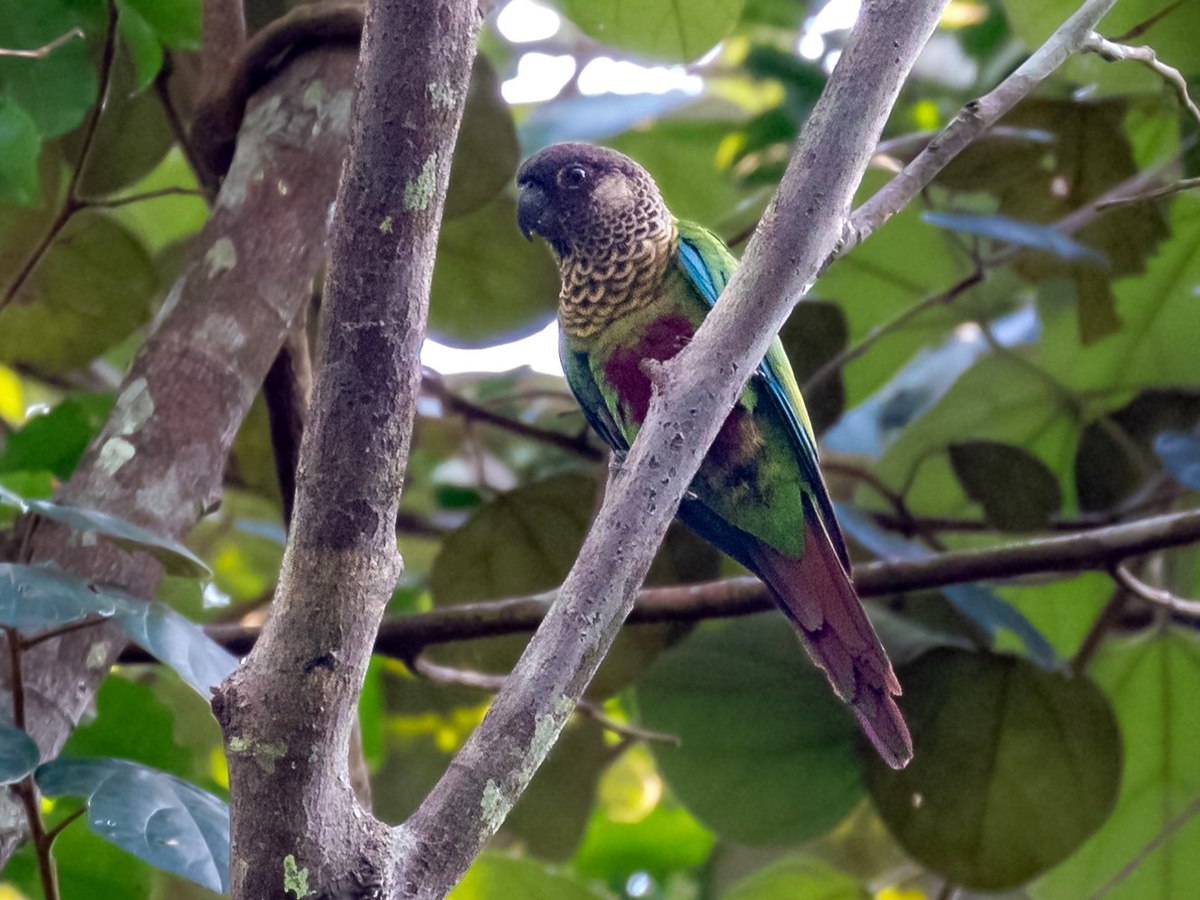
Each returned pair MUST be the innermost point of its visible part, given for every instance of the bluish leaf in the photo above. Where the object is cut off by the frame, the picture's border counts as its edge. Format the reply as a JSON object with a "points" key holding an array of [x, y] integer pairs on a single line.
{"points": [[176, 558], [977, 602], [19, 755], [1180, 454], [35, 598], [157, 817], [1012, 231]]}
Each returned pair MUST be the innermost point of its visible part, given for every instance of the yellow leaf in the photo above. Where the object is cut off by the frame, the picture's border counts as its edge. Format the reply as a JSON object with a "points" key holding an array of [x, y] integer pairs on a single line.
{"points": [[12, 407]]}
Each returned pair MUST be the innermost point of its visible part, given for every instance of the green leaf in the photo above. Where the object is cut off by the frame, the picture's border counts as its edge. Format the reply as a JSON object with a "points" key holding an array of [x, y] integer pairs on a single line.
{"points": [[1174, 37], [658, 29], [1117, 452], [176, 22], [92, 289], [815, 333], [1014, 768], [522, 542], [1158, 308], [1153, 680], [665, 841], [798, 876], [131, 138], [1000, 398], [486, 153], [1062, 611], [35, 598], [119, 703], [56, 440], [1016, 489], [19, 755], [59, 88], [489, 284], [681, 154], [767, 755], [496, 877], [550, 817], [175, 557], [159, 818], [142, 45], [20, 146]]}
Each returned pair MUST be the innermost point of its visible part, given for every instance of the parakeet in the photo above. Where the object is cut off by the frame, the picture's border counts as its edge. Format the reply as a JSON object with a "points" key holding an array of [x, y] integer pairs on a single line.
{"points": [[636, 284]]}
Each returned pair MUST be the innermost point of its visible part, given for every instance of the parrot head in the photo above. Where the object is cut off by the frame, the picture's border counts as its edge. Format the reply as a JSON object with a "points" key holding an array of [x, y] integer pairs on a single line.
{"points": [[588, 201]]}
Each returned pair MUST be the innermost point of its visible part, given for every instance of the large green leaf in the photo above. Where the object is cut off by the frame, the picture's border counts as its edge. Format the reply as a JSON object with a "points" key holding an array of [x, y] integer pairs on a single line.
{"points": [[1000, 398], [57, 89], [1016, 489], [767, 754], [797, 876], [92, 289], [119, 702], [489, 284], [666, 840], [159, 818], [486, 153], [176, 22], [659, 29], [20, 146], [1153, 680], [56, 440], [496, 877], [1160, 316], [1013, 768]]}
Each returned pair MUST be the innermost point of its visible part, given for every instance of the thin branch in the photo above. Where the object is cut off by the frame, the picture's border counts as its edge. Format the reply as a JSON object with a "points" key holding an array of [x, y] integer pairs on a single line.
{"points": [[972, 120], [1109, 615], [580, 446], [1097, 549], [486, 681], [114, 202], [28, 643], [1178, 187], [45, 49], [27, 790], [1149, 22], [61, 826], [1154, 595], [1110, 51]]}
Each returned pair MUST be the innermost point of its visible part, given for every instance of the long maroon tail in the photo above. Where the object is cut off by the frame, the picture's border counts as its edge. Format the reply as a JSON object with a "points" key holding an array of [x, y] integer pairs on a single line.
{"points": [[816, 593]]}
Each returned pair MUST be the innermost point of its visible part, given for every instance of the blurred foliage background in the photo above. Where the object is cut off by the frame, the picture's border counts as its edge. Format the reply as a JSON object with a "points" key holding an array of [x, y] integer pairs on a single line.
{"points": [[977, 376]]}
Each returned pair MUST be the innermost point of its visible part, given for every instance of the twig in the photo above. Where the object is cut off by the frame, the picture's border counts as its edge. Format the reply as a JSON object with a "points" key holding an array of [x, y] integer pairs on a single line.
{"points": [[580, 446], [1154, 595], [1189, 812], [896, 322], [1097, 549], [28, 643], [45, 49], [58, 829], [1185, 184], [972, 120], [72, 203], [1110, 51], [114, 202], [487, 681], [1109, 615], [1149, 22]]}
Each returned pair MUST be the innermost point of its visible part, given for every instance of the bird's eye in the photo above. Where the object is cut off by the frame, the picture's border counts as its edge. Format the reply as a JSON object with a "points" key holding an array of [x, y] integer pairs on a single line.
{"points": [[572, 176]]}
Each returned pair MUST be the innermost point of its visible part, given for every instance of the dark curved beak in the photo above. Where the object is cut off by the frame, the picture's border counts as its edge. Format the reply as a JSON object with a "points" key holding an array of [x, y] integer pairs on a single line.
{"points": [[532, 206]]}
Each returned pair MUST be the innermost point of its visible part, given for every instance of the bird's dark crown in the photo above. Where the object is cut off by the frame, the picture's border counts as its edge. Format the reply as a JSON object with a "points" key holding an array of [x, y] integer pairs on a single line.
{"points": [[581, 198]]}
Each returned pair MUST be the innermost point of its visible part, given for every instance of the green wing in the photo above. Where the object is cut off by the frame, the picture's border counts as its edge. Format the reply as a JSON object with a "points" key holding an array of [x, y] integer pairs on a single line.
{"points": [[709, 265], [577, 368]]}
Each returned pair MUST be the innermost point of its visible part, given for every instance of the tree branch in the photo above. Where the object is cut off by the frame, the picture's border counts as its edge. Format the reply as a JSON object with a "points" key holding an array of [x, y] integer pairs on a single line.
{"points": [[295, 698], [1097, 549], [159, 459], [693, 394], [972, 120]]}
